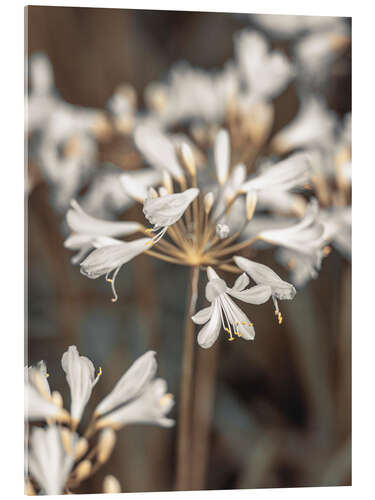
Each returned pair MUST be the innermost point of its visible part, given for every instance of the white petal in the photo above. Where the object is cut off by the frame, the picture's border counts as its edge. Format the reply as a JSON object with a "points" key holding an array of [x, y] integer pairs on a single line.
{"points": [[133, 187], [202, 316], [258, 294], [241, 282], [167, 210], [222, 155], [107, 258], [209, 333], [133, 382]]}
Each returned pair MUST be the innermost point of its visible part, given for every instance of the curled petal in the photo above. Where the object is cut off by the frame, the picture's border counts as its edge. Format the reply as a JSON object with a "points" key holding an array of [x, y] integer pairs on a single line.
{"points": [[209, 333], [241, 282], [202, 316], [258, 294]]}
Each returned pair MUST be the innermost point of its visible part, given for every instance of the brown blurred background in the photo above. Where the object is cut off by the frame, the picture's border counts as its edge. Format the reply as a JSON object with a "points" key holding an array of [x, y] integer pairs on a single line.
{"points": [[282, 414]]}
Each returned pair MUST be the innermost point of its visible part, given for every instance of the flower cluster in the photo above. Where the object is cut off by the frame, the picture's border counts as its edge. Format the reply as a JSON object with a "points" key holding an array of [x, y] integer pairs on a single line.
{"points": [[59, 458]]}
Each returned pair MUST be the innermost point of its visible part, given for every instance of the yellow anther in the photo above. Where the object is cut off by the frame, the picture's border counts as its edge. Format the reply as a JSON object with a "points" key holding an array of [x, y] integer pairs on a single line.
{"points": [[149, 230], [113, 299], [251, 324], [47, 375], [109, 280], [244, 322], [280, 318], [167, 397], [100, 371], [291, 263], [327, 250], [238, 334], [231, 338]]}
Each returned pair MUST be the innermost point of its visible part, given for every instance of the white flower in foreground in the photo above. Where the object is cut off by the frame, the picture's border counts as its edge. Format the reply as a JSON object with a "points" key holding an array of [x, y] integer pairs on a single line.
{"points": [[164, 211], [80, 375], [223, 312], [265, 73], [150, 407], [263, 275], [131, 384], [287, 174], [86, 228], [39, 403], [112, 257], [49, 462], [307, 236]]}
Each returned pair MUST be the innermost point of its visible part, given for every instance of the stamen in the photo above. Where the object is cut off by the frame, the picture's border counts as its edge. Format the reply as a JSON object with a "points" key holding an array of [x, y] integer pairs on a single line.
{"points": [[112, 281], [327, 250], [164, 399]]}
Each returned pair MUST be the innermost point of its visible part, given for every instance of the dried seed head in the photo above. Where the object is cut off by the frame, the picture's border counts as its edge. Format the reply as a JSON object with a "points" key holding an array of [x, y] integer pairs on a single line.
{"points": [[111, 485], [107, 440]]}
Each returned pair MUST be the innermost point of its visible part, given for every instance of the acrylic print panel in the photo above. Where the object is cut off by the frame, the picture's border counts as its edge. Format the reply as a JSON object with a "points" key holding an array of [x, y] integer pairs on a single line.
{"points": [[189, 251]]}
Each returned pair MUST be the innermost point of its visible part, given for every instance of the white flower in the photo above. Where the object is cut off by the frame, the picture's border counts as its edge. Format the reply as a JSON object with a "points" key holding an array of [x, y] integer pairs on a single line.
{"points": [[39, 403], [307, 236], [157, 149], [131, 384], [112, 257], [285, 175], [164, 211], [313, 126], [263, 275], [80, 375], [85, 229], [224, 312], [150, 407], [49, 462], [265, 73], [222, 155]]}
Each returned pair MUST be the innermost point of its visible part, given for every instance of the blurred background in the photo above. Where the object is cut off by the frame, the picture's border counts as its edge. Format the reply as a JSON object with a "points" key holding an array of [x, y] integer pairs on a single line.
{"points": [[282, 412]]}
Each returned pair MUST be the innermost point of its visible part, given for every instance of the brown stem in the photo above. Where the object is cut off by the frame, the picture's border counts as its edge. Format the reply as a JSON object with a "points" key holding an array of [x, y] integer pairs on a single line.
{"points": [[204, 397], [183, 475]]}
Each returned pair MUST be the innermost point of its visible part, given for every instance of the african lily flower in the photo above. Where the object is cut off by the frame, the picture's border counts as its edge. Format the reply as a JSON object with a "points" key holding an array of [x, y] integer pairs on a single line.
{"points": [[263, 275], [49, 462], [80, 375], [223, 312], [85, 229]]}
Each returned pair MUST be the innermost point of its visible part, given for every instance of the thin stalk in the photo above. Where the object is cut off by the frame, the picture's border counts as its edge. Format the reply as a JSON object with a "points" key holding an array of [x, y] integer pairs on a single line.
{"points": [[233, 248], [161, 256], [204, 398], [184, 438]]}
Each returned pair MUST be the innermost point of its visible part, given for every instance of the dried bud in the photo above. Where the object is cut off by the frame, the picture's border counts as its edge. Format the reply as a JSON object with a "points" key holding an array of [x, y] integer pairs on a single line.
{"points": [[167, 181], [251, 201], [187, 158], [208, 202], [66, 439], [57, 399], [83, 469], [107, 440], [111, 485], [81, 448]]}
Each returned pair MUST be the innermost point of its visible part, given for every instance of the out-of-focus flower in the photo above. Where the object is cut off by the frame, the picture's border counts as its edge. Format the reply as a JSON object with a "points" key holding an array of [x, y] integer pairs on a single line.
{"points": [[49, 462], [137, 397], [285, 26], [131, 384], [111, 484], [122, 106], [80, 375], [265, 73], [39, 403], [85, 229], [263, 275], [223, 312], [313, 126], [285, 175]]}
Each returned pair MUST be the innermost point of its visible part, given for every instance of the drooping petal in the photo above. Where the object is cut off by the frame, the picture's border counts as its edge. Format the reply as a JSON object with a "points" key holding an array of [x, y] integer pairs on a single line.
{"points": [[258, 294], [210, 332], [201, 317], [107, 258], [131, 384], [263, 275], [166, 210]]}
